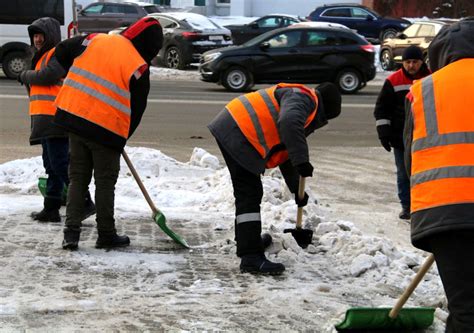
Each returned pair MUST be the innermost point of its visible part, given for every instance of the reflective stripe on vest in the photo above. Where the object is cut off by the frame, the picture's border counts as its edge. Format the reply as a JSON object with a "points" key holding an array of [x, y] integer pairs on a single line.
{"points": [[257, 114], [442, 170], [42, 97], [95, 92]]}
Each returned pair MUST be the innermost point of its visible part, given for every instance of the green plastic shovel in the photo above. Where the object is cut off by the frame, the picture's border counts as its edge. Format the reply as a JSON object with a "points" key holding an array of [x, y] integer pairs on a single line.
{"points": [[394, 318], [158, 216], [42, 181]]}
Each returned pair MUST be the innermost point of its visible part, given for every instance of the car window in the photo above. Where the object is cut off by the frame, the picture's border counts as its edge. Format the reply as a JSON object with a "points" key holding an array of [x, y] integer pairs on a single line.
{"points": [[411, 30], [359, 13], [130, 10], [114, 9], [200, 22], [426, 30], [286, 39], [337, 12], [95, 9], [269, 22], [167, 24], [348, 40], [321, 38], [288, 21], [151, 9]]}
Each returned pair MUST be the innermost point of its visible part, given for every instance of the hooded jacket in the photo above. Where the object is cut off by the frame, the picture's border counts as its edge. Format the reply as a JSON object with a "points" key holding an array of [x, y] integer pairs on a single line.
{"points": [[453, 43], [42, 126], [146, 37], [295, 108]]}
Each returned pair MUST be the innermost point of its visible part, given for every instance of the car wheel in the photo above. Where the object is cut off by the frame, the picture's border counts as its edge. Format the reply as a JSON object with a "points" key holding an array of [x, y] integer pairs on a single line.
{"points": [[14, 63], [348, 81], [237, 79], [387, 33], [174, 58], [386, 61]]}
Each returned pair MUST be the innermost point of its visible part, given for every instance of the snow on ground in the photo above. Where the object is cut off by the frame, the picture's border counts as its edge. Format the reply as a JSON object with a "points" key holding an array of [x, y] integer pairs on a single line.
{"points": [[358, 258]]}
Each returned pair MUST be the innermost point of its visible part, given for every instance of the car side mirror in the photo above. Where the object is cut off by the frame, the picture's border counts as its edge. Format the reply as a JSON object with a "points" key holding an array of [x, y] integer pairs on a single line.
{"points": [[369, 18], [253, 25], [401, 35], [264, 45]]}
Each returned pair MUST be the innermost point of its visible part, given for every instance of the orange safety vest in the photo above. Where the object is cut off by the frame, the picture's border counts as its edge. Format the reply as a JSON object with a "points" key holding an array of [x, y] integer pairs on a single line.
{"points": [[257, 114], [42, 97], [442, 170], [96, 87]]}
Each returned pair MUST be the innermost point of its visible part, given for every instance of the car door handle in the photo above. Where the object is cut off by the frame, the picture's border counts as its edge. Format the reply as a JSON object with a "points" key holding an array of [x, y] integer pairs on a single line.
{"points": [[293, 51]]}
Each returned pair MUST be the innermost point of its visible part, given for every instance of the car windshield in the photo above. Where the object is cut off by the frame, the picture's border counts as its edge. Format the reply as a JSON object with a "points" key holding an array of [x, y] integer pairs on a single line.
{"points": [[373, 12], [198, 22], [259, 39]]}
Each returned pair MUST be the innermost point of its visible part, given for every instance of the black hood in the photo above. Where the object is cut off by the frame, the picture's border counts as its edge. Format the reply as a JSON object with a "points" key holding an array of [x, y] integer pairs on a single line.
{"points": [[51, 30], [146, 36], [453, 42]]}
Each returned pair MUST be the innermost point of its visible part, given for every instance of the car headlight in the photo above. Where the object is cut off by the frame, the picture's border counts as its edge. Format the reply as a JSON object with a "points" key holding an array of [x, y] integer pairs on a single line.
{"points": [[211, 56], [404, 25]]}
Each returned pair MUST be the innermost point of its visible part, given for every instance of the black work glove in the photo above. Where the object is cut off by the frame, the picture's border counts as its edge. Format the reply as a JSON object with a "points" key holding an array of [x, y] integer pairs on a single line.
{"points": [[305, 169], [303, 202], [386, 143], [19, 78]]}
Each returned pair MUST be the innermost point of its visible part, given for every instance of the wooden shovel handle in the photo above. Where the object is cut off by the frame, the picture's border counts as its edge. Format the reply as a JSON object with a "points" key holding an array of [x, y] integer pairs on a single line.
{"points": [[299, 214], [139, 182], [411, 287]]}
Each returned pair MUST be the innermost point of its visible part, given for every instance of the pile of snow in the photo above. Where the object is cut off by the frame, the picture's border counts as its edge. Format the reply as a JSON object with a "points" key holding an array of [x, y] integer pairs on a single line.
{"points": [[201, 190]]}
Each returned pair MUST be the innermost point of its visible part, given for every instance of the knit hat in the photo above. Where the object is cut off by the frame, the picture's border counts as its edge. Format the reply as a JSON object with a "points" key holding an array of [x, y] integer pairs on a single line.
{"points": [[331, 99], [146, 36], [412, 52]]}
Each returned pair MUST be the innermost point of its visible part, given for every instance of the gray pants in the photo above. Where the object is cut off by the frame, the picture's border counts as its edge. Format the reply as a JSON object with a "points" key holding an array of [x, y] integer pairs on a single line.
{"points": [[87, 156]]}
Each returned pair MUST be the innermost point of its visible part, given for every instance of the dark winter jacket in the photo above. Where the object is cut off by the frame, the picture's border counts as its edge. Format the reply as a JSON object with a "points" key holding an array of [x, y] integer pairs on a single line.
{"points": [[295, 108], [452, 43], [390, 106], [42, 126], [67, 51]]}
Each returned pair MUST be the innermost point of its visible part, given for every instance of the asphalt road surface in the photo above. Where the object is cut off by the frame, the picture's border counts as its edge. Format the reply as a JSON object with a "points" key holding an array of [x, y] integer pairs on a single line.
{"points": [[176, 118]]}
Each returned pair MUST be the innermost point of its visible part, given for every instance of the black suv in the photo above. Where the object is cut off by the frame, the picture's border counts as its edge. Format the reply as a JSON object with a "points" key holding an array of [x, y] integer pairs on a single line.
{"points": [[106, 16], [366, 21], [301, 53]]}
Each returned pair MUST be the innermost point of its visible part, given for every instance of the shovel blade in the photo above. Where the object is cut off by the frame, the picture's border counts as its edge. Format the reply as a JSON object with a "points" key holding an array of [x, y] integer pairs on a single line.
{"points": [[160, 219], [303, 237]]}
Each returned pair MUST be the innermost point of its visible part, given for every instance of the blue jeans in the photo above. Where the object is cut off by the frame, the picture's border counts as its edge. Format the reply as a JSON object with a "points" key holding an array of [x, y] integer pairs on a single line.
{"points": [[55, 162], [403, 182]]}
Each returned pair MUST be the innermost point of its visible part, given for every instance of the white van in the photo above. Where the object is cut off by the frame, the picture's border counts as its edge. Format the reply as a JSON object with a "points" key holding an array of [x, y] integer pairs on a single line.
{"points": [[16, 16]]}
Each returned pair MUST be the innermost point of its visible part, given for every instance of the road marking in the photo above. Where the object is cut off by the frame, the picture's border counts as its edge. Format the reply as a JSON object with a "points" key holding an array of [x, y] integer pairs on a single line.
{"points": [[197, 101]]}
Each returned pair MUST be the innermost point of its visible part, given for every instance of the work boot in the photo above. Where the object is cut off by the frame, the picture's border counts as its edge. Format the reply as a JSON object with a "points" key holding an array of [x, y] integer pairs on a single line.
{"points": [[259, 264], [89, 208], [109, 241], [71, 238], [50, 215], [266, 240], [405, 214]]}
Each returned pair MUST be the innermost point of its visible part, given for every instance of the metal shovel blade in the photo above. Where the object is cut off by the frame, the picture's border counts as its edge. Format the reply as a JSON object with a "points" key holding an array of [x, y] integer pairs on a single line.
{"points": [[303, 237], [160, 219]]}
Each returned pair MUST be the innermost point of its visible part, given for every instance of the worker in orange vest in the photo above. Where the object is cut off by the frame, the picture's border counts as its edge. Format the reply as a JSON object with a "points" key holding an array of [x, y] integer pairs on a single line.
{"points": [[262, 130], [100, 104], [439, 146], [43, 82]]}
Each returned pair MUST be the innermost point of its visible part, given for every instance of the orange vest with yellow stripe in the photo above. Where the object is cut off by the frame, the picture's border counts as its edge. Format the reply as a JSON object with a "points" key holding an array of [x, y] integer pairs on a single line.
{"points": [[96, 87], [42, 97], [442, 170], [257, 114]]}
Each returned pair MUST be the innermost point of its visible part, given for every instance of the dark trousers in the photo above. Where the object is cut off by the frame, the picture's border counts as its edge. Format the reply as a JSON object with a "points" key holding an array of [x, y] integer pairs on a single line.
{"points": [[403, 182], [55, 162], [86, 157], [454, 255], [248, 192]]}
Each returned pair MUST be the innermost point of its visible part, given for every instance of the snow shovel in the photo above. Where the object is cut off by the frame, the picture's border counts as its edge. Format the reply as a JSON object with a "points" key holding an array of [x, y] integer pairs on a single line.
{"points": [[302, 236], [42, 181], [158, 216], [394, 318]]}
